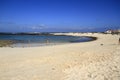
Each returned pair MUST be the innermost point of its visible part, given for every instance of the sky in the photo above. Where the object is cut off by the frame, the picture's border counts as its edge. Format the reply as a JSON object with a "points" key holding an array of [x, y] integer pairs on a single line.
{"points": [[59, 15]]}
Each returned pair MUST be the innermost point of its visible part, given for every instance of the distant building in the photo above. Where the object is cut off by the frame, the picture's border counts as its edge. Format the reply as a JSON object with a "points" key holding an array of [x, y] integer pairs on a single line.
{"points": [[113, 31], [108, 31], [119, 30]]}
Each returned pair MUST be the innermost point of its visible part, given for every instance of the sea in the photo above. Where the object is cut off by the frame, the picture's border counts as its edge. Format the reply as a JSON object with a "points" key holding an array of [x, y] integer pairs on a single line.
{"points": [[43, 40]]}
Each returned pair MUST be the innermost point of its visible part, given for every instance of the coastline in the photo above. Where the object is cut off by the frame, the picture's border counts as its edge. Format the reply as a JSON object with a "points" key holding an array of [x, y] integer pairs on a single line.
{"points": [[6, 43], [49, 41], [94, 60]]}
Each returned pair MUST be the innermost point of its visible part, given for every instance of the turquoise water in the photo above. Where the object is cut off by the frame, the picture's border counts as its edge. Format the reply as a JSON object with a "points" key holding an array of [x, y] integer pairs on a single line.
{"points": [[41, 40]]}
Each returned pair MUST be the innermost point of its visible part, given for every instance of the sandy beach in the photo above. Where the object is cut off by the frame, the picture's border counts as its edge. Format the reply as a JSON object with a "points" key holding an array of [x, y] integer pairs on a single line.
{"points": [[94, 60]]}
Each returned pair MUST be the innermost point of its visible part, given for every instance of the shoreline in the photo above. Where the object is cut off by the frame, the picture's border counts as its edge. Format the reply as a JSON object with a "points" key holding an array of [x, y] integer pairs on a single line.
{"points": [[6, 43], [18, 43], [78, 61]]}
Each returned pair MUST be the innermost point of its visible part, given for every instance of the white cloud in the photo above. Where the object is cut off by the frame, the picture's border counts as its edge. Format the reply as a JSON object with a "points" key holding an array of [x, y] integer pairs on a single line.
{"points": [[42, 26]]}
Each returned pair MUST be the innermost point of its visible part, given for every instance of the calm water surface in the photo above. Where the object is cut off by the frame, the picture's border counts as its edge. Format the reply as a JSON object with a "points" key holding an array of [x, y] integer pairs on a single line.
{"points": [[41, 40]]}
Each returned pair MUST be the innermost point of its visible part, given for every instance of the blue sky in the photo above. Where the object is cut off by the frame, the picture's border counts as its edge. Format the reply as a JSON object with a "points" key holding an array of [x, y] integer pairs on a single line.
{"points": [[59, 15]]}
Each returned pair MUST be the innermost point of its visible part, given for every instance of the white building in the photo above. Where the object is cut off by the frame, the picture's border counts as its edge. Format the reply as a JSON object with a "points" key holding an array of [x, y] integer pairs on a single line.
{"points": [[113, 31], [108, 31]]}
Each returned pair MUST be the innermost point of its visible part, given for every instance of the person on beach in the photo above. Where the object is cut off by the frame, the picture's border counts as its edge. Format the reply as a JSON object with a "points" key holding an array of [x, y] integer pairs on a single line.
{"points": [[119, 40], [47, 41]]}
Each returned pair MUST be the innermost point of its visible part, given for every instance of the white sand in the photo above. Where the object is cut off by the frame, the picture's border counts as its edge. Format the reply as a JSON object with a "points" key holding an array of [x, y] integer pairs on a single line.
{"points": [[77, 61]]}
